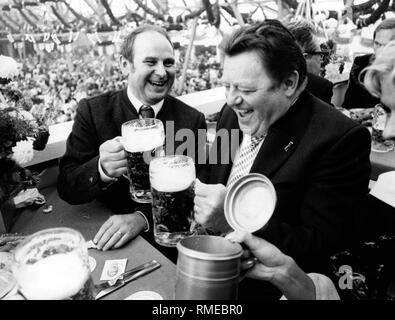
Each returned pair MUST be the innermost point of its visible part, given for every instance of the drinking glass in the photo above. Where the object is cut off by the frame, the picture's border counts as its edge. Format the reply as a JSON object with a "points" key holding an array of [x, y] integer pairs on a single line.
{"points": [[172, 187], [53, 264], [379, 144], [142, 139]]}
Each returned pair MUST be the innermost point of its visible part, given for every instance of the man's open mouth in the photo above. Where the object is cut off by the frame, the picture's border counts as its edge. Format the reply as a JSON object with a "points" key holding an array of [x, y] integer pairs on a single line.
{"points": [[157, 83], [244, 112]]}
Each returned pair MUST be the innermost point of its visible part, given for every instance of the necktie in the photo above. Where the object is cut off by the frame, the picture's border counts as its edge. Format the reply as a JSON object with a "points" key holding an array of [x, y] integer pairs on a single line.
{"points": [[146, 112], [243, 163]]}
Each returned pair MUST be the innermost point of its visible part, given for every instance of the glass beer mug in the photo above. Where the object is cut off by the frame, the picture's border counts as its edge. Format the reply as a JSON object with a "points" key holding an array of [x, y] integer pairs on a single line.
{"points": [[379, 144], [53, 264], [172, 186], [142, 140]]}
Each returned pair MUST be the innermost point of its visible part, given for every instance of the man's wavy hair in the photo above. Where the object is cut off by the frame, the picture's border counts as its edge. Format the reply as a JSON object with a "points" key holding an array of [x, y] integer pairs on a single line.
{"points": [[128, 43], [305, 34], [280, 53], [383, 64], [386, 24]]}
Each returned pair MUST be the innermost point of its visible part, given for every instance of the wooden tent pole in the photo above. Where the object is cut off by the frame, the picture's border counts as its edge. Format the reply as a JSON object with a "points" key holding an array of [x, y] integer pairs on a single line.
{"points": [[187, 56]]}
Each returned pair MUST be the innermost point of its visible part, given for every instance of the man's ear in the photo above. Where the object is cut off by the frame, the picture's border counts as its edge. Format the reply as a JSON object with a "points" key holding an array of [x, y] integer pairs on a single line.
{"points": [[290, 84], [124, 65]]}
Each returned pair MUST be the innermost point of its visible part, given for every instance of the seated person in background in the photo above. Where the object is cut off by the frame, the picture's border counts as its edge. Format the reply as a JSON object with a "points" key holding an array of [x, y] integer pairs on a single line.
{"points": [[379, 209], [306, 36], [317, 158], [356, 95], [376, 215], [95, 160]]}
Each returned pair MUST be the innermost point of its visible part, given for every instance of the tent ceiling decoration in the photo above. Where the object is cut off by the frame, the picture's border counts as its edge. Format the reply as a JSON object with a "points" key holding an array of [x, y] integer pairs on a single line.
{"points": [[29, 20]]}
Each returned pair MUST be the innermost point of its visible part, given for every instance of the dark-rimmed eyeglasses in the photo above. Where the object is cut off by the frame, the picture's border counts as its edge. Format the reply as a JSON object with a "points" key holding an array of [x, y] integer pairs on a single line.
{"points": [[323, 54]]}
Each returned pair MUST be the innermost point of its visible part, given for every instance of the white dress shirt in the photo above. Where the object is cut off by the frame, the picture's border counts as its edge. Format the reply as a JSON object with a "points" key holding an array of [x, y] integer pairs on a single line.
{"points": [[246, 141], [137, 104], [325, 289]]}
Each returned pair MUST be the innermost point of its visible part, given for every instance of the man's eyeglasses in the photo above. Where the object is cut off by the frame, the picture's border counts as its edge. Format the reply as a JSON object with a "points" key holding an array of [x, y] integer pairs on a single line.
{"points": [[322, 54]]}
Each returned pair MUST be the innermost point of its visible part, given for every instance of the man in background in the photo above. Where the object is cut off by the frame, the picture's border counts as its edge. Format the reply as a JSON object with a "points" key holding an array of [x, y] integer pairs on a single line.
{"points": [[306, 36], [357, 95]]}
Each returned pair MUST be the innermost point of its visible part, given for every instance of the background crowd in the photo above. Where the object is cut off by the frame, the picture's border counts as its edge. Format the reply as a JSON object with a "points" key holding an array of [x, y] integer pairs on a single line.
{"points": [[320, 192], [54, 83]]}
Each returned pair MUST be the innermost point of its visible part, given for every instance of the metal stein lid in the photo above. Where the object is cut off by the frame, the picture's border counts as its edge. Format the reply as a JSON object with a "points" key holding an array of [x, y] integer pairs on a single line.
{"points": [[250, 202]]}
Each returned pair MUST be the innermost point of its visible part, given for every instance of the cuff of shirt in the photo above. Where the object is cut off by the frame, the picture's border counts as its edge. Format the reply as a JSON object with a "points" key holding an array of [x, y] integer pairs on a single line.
{"points": [[103, 177], [324, 287], [146, 220]]}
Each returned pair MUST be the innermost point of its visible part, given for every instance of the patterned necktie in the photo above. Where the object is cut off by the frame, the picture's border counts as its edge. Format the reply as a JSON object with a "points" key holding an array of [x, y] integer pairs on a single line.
{"points": [[146, 112], [243, 163]]}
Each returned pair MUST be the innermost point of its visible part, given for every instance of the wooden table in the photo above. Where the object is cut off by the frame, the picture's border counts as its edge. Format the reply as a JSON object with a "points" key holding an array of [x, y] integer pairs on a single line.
{"points": [[87, 219], [381, 162]]}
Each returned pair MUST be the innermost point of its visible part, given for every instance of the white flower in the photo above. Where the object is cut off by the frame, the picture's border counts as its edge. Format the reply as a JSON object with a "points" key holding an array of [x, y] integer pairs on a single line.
{"points": [[8, 67], [23, 151], [26, 115]]}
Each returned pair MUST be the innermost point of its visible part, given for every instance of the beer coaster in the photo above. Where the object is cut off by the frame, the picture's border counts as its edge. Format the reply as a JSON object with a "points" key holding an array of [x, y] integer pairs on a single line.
{"points": [[113, 269], [92, 263], [145, 295]]}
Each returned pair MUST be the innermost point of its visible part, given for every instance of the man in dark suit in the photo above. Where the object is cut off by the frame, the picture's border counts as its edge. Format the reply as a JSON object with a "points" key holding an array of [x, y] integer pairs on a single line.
{"points": [[95, 160], [357, 96], [317, 159], [306, 36], [320, 87]]}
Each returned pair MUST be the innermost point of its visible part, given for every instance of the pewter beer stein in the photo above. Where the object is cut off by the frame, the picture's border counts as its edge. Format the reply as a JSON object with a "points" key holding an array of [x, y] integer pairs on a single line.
{"points": [[172, 186], [208, 268], [53, 264], [142, 139]]}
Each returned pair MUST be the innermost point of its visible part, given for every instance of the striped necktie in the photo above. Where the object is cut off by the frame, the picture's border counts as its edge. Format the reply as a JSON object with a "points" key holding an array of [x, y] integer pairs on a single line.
{"points": [[146, 111], [243, 163]]}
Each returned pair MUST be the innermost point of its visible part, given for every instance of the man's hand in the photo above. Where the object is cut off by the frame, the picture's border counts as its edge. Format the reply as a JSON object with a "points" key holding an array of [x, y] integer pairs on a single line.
{"points": [[113, 158], [274, 266], [269, 258], [118, 230], [209, 206]]}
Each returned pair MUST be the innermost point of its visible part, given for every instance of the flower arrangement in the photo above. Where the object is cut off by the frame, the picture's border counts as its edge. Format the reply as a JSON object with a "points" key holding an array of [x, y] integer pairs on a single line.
{"points": [[20, 134]]}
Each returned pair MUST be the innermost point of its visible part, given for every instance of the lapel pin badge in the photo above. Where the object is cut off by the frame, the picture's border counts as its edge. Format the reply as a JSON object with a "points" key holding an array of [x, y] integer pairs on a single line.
{"points": [[288, 146]]}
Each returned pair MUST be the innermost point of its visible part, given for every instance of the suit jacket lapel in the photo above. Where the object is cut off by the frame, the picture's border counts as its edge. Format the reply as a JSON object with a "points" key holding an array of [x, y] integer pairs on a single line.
{"points": [[165, 113], [275, 150], [222, 166], [126, 111], [283, 138]]}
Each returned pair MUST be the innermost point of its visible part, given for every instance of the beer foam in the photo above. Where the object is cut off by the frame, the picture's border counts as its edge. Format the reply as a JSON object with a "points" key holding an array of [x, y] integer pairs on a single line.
{"points": [[142, 140], [55, 277], [165, 177], [254, 208]]}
